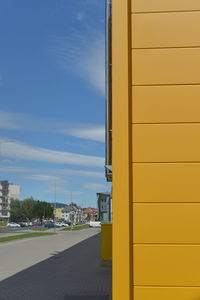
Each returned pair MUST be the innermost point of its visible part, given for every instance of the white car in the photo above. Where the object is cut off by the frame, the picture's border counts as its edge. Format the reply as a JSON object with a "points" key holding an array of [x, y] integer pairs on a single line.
{"points": [[95, 224], [12, 224], [64, 224]]}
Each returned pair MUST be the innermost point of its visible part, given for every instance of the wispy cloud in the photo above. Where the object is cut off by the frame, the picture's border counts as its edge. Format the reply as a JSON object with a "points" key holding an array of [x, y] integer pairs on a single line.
{"points": [[82, 173], [9, 120], [84, 55], [95, 186], [43, 177], [61, 189], [61, 172], [18, 150], [95, 133]]}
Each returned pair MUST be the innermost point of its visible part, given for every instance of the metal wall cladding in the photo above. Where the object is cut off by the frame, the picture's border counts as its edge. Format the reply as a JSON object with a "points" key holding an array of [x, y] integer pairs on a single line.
{"points": [[166, 143], [167, 265], [165, 52], [166, 30], [166, 182], [166, 223], [166, 104], [170, 5], [166, 66], [166, 293]]}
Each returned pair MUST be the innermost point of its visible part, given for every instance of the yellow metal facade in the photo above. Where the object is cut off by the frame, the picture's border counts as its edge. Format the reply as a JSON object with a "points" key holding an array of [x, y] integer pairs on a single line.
{"points": [[106, 241], [156, 149]]}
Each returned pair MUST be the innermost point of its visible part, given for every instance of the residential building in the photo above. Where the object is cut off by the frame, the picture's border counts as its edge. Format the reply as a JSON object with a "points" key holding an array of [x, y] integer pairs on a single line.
{"points": [[104, 207], [90, 214], [72, 213], [8, 191], [58, 213]]}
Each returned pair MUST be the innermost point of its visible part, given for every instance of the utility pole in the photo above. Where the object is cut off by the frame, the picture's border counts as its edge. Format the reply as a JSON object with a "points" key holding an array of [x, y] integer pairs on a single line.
{"points": [[55, 206]]}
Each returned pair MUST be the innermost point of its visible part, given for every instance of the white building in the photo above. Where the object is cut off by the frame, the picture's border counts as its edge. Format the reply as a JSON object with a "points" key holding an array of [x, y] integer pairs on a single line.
{"points": [[8, 191], [72, 213], [14, 191]]}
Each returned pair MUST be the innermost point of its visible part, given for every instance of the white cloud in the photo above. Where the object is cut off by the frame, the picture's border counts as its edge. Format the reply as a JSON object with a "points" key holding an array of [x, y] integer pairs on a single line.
{"points": [[81, 173], [43, 177], [95, 186], [95, 133], [63, 172], [18, 150], [85, 57], [14, 169]]}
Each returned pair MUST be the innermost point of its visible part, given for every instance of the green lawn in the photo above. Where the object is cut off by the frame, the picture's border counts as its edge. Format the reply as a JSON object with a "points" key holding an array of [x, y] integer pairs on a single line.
{"points": [[23, 236], [76, 227], [40, 228]]}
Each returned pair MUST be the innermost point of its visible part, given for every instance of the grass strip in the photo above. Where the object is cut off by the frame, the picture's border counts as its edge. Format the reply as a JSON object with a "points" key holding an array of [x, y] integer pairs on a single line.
{"points": [[40, 229], [23, 236], [76, 227]]}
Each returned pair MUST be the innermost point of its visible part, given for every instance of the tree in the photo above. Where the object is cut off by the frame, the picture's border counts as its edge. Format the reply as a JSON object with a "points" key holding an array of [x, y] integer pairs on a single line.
{"points": [[16, 211], [29, 209]]}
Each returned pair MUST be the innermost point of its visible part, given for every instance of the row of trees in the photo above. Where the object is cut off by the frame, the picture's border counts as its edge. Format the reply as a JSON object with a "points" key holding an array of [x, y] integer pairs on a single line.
{"points": [[29, 209]]}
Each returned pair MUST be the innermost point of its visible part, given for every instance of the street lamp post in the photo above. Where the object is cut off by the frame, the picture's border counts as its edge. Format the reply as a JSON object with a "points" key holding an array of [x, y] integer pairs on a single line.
{"points": [[55, 196]]}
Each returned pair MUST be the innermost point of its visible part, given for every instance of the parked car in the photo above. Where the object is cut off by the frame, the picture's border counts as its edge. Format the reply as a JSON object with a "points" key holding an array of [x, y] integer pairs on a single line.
{"points": [[14, 225], [49, 225], [95, 224]]}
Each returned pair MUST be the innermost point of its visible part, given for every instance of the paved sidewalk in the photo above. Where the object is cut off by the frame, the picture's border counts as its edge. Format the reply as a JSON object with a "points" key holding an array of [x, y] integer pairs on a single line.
{"points": [[18, 255], [73, 274]]}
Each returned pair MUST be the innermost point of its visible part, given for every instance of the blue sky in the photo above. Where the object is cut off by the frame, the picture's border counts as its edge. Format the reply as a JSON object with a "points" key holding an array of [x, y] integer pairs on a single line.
{"points": [[52, 98]]}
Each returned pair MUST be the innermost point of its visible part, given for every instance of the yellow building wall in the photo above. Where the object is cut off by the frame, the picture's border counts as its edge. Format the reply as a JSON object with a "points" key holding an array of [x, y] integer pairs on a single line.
{"points": [[106, 241], [156, 149], [165, 52], [58, 213]]}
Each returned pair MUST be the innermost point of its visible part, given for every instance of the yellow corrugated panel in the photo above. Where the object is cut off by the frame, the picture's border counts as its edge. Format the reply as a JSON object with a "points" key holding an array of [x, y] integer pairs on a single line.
{"points": [[166, 66], [162, 293], [167, 265], [106, 241], [169, 182], [166, 223], [157, 104], [166, 30], [169, 5], [166, 142]]}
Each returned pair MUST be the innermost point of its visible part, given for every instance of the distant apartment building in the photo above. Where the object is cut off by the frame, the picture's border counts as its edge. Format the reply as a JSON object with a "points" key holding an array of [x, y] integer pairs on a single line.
{"points": [[104, 207], [8, 191], [72, 213], [90, 214], [58, 213]]}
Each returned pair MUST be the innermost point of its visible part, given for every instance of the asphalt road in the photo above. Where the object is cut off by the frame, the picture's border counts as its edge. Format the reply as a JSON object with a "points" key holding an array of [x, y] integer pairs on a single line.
{"points": [[61, 267], [18, 255]]}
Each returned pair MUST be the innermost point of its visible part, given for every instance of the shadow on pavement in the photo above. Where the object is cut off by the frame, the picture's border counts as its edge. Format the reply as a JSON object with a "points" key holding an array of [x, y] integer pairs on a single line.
{"points": [[74, 274]]}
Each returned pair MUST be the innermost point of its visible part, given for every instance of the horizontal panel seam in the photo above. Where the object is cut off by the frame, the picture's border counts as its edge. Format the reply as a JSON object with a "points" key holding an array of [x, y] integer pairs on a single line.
{"points": [[194, 163], [172, 84], [164, 12], [167, 84], [169, 244], [166, 286], [170, 47], [166, 202], [164, 123]]}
